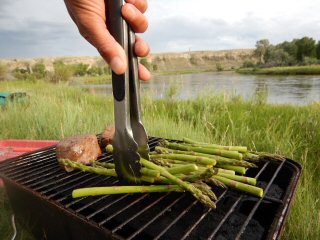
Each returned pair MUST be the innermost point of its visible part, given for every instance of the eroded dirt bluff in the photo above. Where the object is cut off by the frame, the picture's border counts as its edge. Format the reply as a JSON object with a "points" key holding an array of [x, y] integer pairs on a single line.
{"points": [[158, 63]]}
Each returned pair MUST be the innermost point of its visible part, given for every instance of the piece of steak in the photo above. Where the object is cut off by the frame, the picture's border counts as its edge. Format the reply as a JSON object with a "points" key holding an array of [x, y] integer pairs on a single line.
{"points": [[82, 149], [107, 136]]}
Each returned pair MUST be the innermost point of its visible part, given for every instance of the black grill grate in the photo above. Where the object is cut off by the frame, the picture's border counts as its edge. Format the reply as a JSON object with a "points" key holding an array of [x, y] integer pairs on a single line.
{"points": [[158, 216]]}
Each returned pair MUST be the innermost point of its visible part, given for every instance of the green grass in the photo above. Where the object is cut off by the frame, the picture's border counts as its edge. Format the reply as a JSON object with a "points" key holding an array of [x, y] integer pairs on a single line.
{"points": [[57, 111], [294, 70], [103, 79]]}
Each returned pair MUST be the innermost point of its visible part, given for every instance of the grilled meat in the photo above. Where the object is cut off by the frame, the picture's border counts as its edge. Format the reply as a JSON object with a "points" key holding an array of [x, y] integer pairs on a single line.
{"points": [[107, 136], [82, 149]]}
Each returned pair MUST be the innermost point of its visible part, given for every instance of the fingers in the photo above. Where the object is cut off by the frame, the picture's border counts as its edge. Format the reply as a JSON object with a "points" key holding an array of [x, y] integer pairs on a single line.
{"points": [[144, 73], [141, 47], [142, 5], [95, 31], [135, 18]]}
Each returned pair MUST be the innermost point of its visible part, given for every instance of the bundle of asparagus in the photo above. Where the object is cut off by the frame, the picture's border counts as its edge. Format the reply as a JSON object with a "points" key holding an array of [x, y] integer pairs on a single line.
{"points": [[189, 166]]}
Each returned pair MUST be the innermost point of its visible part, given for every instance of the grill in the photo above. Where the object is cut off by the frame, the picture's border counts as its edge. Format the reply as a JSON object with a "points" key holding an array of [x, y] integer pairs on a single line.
{"points": [[40, 194]]}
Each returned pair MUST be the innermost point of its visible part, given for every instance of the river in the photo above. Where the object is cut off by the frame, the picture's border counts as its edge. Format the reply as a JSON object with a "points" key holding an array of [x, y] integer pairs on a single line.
{"points": [[298, 90]]}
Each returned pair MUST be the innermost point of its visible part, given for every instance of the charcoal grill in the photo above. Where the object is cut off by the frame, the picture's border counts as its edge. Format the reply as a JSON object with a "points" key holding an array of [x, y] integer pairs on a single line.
{"points": [[40, 194]]}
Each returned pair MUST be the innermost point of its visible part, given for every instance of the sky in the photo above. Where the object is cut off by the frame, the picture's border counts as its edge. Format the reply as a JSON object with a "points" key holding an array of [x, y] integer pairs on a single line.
{"points": [[42, 28]]}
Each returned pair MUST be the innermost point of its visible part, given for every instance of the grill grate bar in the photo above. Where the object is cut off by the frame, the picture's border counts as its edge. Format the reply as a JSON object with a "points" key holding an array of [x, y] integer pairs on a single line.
{"points": [[54, 179], [244, 225], [202, 217], [22, 160], [46, 168], [105, 207], [234, 205], [89, 185], [71, 187], [89, 204], [21, 169], [59, 178], [139, 213], [48, 172], [123, 209], [93, 178], [155, 217], [209, 210], [176, 219]]}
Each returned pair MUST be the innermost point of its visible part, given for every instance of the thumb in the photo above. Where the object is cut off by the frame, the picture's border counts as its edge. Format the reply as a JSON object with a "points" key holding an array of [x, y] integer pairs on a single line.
{"points": [[96, 32]]}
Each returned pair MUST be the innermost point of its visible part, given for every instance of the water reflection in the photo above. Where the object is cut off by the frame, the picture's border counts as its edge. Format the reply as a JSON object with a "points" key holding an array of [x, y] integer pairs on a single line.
{"points": [[279, 89]]}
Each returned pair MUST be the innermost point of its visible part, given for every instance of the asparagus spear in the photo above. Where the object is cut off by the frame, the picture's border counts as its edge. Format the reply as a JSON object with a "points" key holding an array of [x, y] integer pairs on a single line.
{"points": [[98, 170], [188, 158], [144, 171], [201, 144], [187, 186], [249, 180], [206, 190], [219, 152], [241, 186], [237, 169], [183, 169], [96, 191], [218, 159]]}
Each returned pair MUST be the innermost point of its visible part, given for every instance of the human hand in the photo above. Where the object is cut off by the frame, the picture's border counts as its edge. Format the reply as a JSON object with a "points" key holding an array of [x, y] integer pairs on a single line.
{"points": [[90, 18]]}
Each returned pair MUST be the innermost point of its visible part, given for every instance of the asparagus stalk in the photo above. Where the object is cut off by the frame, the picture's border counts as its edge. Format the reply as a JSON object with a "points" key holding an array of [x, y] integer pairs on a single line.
{"points": [[150, 172], [144, 171], [251, 157], [215, 182], [188, 158], [219, 152], [240, 186], [226, 171], [109, 148], [248, 180], [237, 169], [219, 170], [98, 170], [103, 164], [96, 191], [184, 169], [219, 159], [201, 144], [206, 190], [187, 186]]}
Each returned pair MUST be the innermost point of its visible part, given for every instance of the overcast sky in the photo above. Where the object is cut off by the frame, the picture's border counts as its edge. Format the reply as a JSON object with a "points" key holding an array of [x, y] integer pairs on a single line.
{"points": [[38, 28]]}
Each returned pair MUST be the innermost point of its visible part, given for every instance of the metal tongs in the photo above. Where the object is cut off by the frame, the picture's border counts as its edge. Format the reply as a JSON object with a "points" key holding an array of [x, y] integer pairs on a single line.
{"points": [[131, 140]]}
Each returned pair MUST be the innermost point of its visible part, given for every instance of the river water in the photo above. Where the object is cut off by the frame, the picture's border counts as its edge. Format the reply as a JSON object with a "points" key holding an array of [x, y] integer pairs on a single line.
{"points": [[299, 90]]}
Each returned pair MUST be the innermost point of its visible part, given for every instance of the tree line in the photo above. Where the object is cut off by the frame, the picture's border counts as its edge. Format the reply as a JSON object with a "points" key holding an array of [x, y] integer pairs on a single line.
{"points": [[303, 51]]}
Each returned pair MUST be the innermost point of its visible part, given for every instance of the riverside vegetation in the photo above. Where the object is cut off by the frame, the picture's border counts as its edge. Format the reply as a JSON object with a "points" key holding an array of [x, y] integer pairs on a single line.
{"points": [[55, 111], [297, 57]]}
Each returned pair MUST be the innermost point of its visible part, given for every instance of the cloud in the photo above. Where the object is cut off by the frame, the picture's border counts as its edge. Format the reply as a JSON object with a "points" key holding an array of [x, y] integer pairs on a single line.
{"points": [[39, 38], [180, 33], [43, 28]]}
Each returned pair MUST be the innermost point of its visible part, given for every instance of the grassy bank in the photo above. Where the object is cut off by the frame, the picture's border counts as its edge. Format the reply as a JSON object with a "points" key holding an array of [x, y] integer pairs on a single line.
{"points": [[103, 79], [295, 70], [57, 111]]}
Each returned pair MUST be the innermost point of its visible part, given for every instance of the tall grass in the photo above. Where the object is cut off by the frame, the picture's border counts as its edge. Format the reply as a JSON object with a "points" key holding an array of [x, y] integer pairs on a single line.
{"points": [[57, 111]]}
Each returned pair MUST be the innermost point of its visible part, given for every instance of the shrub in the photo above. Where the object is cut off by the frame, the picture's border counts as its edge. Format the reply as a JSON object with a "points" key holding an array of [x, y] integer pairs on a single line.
{"points": [[21, 73], [95, 71], [219, 67], [80, 69], [62, 72], [248, 64], [39, 70]]}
